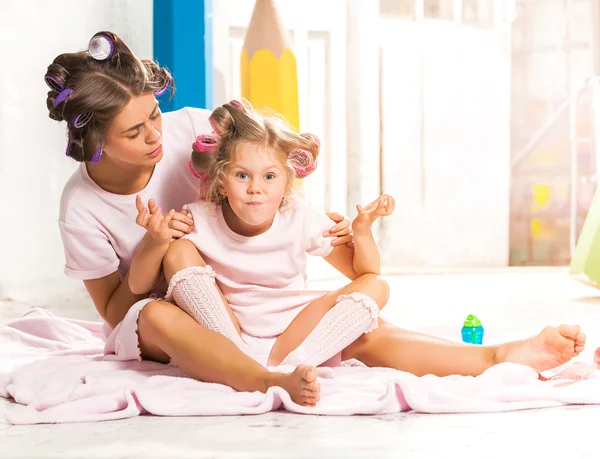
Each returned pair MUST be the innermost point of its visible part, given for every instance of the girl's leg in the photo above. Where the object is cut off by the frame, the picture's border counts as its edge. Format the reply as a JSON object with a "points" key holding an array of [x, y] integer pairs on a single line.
{"points": [[420, 354], [166, 332], [193, 287], [330, 323]]}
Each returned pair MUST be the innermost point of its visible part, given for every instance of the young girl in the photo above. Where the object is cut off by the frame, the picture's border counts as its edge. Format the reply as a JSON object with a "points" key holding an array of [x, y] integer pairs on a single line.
{"points": [[256, 237], [106, 98], [248, 166]]}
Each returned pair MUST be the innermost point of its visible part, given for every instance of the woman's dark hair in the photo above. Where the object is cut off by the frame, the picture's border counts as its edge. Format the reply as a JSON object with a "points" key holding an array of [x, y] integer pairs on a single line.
{"points": [[101, 88]]}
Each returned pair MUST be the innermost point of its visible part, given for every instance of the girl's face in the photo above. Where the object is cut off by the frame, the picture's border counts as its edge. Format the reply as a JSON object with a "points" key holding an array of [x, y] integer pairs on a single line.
{"points": [[255, 184], [136, 135]]}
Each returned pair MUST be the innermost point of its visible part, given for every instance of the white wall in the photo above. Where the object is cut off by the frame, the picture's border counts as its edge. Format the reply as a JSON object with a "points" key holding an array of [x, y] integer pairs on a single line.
{"points": [[445, 92], [33, 166]]}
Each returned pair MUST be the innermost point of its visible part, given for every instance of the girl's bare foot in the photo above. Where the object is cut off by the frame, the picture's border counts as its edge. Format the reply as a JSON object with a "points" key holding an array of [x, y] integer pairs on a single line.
{"points": [[549, 349], [301, 384]]}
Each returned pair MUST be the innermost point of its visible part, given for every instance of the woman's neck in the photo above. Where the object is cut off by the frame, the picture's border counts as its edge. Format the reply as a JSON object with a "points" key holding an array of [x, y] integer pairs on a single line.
{"points": [[120, 178]]}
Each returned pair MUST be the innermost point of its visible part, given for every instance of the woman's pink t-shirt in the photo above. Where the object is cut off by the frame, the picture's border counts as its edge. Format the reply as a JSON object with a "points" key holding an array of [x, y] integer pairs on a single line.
{"points": [[98, 228]]}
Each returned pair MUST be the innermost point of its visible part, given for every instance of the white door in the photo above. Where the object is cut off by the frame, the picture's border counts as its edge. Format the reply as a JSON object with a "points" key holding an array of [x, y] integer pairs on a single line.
{"points": [[445, 143], [318, 32]]}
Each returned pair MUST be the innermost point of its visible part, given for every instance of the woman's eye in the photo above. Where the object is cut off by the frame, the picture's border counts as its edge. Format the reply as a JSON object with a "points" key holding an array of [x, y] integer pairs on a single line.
{"points": [[134, 136]]}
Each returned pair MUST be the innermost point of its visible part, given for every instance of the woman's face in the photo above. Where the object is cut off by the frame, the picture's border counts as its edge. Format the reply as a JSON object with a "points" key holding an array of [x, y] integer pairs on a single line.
{"points": [[136, 135]]}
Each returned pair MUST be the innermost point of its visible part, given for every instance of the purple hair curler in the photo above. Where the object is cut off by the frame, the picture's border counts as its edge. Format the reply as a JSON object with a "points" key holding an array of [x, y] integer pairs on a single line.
{"points": [[53, 83], [160, 92], [96, 158], [62, 96], [81, 120]]}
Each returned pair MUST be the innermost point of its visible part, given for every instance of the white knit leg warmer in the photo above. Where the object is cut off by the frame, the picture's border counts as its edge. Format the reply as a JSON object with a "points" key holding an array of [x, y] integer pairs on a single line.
{"points": [[353, 315], [195, 291]]}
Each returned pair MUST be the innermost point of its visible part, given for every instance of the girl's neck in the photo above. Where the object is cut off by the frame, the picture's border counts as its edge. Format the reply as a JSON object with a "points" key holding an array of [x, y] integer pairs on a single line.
{"points": [[236, 224], [120, 178]]}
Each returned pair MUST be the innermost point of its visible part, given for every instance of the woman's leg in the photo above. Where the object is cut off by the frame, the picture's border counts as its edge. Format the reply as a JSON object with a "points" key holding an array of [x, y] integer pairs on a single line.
{"points": [[166, 332], [420, 354], [330, 323]]}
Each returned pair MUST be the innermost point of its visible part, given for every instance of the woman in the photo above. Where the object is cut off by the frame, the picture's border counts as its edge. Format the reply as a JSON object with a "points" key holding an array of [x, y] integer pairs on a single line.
{"points": [[115, 129]]}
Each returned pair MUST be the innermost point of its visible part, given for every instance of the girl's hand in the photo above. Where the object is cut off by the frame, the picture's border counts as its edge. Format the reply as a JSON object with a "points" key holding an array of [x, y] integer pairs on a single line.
{"points": [[383, 206], [341, 230], [181, 224], [155, 223]]}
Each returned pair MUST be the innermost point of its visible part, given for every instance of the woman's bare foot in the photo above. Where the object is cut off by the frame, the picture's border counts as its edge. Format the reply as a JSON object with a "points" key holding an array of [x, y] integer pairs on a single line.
{"points": [[301, 384], [551, 348]]}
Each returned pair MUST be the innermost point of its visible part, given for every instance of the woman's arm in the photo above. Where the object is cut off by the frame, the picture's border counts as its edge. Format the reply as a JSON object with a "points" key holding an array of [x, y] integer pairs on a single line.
{"points": [[112, 297]]}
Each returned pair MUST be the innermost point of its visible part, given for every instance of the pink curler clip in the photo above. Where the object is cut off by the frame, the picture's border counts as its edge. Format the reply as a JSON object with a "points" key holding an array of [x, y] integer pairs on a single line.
{"points": [[303, 163], [238, 104], [193, 171], [205, 143]]}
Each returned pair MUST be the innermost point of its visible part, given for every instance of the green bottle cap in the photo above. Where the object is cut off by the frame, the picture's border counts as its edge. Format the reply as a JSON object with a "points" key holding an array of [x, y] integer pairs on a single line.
{"points": [[472, 321]]}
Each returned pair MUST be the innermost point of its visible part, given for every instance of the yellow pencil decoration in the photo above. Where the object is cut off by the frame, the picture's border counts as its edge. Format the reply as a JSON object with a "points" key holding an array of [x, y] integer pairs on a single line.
{"points": [[269, 76]]}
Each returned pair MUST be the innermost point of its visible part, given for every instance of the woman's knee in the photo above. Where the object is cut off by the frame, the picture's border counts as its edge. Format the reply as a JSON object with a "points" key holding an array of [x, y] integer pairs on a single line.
{"points": [[156, 318], [180, 255], [154, 325]]}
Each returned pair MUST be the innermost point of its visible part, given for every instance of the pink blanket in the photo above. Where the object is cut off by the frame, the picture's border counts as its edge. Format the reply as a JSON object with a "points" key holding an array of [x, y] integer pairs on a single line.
{"points": [[55, 371]]}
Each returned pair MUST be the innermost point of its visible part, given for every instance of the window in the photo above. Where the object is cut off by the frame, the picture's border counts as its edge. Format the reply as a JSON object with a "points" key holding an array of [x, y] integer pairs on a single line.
{"points": [[402, 9], [438, 9]]}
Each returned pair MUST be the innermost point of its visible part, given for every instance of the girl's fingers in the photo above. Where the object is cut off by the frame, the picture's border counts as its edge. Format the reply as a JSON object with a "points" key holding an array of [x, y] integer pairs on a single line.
{"points": [[141, 218], [156, 218], [138, 203]]}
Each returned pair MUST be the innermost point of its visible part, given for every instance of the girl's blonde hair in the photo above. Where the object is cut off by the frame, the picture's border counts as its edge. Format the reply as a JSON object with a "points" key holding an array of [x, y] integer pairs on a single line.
{"points": [[237, 123]]}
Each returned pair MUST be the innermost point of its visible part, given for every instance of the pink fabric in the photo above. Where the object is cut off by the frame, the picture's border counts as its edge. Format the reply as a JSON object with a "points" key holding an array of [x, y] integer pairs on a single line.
{"points": [[122, 343], [55, 368], [262, 277], [98, 228]]}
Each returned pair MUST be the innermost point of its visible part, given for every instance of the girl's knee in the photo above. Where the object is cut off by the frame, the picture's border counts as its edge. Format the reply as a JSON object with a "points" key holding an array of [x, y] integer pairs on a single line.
{"points": [[377, 288], [180, 255]]}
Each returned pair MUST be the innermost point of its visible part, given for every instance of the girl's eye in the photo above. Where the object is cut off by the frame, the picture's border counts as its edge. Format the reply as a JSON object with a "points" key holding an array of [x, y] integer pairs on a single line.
{"points": [[270, 176], [242, 175], [133, 136], [156, 116]]}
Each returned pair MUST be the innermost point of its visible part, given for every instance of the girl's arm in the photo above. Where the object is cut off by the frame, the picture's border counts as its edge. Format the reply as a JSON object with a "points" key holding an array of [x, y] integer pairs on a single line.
{"points": [[365, 257], [146, 267], [112, 296]]}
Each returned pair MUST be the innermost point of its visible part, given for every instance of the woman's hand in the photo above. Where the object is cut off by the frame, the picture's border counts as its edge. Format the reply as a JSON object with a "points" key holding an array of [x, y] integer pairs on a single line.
{"points": [[181, 223], [341, 230]]}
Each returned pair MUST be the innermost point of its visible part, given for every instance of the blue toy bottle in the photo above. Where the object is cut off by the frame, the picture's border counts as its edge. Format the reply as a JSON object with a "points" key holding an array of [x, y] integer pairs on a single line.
{"points": [[472, 331]]}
